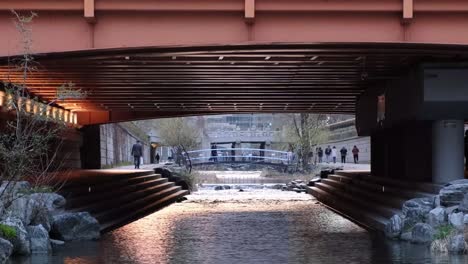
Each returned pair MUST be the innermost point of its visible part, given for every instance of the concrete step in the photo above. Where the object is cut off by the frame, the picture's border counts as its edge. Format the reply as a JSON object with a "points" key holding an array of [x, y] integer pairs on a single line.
{"points": [[375, 207], [110, 183], [95, 177], [121, 210], [380, 197], [357, 214], [424, 187], [143, 211], [111, 201], [104, 194], [370, 186]]}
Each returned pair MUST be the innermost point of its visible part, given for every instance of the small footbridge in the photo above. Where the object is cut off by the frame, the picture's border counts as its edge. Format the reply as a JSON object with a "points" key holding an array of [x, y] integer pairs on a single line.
{"points": [[239, 156]]}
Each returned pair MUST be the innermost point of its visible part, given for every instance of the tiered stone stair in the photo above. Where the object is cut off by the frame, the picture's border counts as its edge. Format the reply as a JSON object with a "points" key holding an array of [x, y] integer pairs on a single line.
{"points": [[116, 198], [368, 200]]}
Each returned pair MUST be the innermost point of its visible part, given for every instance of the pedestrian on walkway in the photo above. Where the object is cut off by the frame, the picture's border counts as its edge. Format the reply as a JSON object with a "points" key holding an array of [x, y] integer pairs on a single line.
{"points": [[320, 154], [355, 154], [343, 152], [333, 154], [328, 152], [137, 152], [157, 157]]}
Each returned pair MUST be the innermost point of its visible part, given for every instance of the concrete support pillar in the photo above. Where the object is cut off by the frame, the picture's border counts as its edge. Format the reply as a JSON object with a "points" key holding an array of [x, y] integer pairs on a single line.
{"points": [[447, 150]]}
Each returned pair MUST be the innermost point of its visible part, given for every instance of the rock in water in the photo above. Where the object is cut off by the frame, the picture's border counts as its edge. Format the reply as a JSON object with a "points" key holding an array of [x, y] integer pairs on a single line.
{"points": [[456, 220], [56, 244], [464, 204], [416, 210], [39, 238], [456, 244], [436, 217], [6, 248], [394, 227], [453, 194], [21, 244], [75, 226], [422, 233]]}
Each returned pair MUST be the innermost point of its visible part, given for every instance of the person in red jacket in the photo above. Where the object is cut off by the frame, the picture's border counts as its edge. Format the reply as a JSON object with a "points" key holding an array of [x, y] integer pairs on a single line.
{"points": [[355, 154]]}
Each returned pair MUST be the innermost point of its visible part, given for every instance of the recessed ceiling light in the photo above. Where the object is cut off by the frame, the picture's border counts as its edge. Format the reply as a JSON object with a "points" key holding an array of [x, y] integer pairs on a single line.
{"points": [[314, 58], [267, 57]]}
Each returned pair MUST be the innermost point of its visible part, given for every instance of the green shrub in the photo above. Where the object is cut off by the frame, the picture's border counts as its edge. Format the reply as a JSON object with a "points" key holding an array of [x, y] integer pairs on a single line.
{"points": [[444, 231], [38, 189], [7, 232]]}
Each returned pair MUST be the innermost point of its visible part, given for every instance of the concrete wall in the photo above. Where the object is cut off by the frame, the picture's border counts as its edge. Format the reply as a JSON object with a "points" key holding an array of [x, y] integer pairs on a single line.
{"points": [[363, 144], [116, 145]]}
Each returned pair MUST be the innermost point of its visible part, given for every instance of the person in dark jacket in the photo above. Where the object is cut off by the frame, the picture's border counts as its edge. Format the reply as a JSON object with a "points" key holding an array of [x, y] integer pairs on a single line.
{"points": [[137, 152], [355, 154], [343, 152], [320, 154], [157, 157], [214, 153], [328, 152]]}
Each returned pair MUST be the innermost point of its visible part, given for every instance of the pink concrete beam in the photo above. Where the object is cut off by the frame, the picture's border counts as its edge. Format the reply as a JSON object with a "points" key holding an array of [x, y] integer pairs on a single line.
{"points": [[89, 10]]}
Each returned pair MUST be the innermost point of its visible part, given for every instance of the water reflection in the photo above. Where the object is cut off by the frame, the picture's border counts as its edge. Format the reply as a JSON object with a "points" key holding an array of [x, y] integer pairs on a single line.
{"points": [[256, 226]]}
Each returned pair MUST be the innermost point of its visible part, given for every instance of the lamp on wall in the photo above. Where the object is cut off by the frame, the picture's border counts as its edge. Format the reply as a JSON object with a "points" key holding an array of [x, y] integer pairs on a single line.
{"points": [[2, 98]]}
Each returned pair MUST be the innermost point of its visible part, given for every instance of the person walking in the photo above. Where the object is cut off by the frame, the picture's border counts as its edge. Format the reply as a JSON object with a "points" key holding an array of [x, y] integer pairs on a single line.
{"points": [[355, 154], [214, 153], [343, 152], [328, 153], [320, 154], [157, 157], [333, 154], [137, 152]]}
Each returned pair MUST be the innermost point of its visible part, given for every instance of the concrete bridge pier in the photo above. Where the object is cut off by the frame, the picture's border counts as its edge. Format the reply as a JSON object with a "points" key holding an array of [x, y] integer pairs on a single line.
{"points": [[416, 123], [447, 150]]}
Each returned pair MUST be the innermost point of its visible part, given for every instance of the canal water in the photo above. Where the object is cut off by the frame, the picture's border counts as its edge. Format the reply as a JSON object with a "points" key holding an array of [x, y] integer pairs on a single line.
{"points": [[258, 225]]}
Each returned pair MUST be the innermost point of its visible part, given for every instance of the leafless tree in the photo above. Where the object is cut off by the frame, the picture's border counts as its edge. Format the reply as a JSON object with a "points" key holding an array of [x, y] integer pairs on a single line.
{"points": [[32, 134]]}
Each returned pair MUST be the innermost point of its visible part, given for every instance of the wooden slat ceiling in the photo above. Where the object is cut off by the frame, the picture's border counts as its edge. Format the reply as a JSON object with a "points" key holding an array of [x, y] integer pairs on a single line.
{"points": [[251, 78]]}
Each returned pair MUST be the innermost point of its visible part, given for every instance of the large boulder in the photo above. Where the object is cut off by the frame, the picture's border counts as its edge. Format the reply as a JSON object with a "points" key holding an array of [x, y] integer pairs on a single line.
{"points": [[437, 217], [456, 244], [39, 238], [416, 210], [30, 212], [75, 226], [456, 220], [394, 227], [422, 233], [463, 207], [6, 248], [453, 194], [10, 189], [21, 244], [53, 202]]}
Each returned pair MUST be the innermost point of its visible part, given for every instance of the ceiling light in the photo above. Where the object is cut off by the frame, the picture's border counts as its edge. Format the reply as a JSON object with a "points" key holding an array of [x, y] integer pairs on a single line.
{"points": [[174, 57], [314, 58], [267, 57], [221, 58]]}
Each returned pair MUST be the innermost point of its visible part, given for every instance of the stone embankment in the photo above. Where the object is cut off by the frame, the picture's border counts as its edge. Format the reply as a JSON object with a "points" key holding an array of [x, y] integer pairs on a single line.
{"points": [[36, 223], [441, 221]]}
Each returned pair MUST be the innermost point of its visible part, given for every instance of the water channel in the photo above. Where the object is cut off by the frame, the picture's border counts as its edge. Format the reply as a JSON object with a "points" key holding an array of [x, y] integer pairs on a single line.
{"points": [[259, 225]]}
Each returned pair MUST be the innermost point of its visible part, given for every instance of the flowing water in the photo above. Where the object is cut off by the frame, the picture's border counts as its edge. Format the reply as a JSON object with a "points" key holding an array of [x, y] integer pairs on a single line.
{"points": [[259, 225]]}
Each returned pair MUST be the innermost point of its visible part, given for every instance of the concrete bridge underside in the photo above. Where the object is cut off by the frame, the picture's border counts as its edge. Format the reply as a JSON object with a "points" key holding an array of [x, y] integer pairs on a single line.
{"points": [[399, 65]]}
